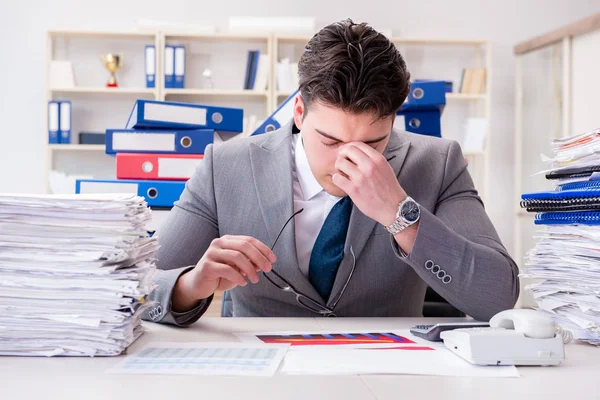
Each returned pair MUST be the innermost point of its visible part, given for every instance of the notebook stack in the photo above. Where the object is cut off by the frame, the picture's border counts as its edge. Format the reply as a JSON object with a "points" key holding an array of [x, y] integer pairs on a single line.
{"points": [[160, 147], [75, 272], [566, 259]]}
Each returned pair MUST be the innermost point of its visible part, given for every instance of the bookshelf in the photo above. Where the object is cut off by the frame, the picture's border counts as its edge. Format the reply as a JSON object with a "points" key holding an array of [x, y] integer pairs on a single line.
{"points": [[206, 51]]}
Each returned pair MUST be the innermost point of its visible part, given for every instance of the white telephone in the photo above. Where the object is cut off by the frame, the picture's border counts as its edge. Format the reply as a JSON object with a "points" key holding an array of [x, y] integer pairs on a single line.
{"points": [[515, 337]]}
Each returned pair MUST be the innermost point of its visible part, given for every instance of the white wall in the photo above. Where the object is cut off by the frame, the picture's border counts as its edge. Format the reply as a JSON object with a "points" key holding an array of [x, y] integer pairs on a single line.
{"points": [[22, 46], [585, 83]]}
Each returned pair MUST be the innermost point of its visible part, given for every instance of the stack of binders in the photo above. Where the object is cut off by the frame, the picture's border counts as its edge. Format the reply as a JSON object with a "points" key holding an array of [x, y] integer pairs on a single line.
{"points": [[566, 259], [160, 148], [423, 107]]}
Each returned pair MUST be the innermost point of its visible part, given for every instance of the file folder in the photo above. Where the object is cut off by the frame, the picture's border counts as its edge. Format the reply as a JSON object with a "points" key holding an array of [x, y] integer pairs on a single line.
{"points": [[159, 141], [53, 122], [157, 166], [169, 67], [174, 115], [65, 122], [423, 122], [156, 193], [179, 67], [280, 117], [563, 200], [150, 66], [426, 95]]}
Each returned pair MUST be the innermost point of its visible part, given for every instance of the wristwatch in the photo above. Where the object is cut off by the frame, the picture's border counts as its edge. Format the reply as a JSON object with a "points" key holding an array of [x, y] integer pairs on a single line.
{"points": [[408, 214]]}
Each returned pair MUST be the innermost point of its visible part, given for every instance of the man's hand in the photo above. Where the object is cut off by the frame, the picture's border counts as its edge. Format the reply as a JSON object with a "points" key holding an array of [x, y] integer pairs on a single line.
{"points": [[366, 176], [228, 262]]}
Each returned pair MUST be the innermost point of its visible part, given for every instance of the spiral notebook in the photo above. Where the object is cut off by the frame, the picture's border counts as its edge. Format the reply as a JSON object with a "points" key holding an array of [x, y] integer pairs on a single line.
{"points": [[567, 199], [568, 173], [568, 218]]}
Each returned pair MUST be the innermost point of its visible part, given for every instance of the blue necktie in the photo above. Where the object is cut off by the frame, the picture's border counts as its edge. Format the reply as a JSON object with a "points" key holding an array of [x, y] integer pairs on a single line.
{"points": [[328, 250]]}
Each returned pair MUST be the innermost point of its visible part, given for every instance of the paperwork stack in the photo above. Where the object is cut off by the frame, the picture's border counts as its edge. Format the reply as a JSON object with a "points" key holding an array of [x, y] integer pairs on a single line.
{"points": [[75, 271], [566, 259]]}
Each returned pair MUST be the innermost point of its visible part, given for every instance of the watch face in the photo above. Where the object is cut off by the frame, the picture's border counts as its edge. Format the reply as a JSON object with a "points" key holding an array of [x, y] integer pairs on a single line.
{"points": [[410, 211]]}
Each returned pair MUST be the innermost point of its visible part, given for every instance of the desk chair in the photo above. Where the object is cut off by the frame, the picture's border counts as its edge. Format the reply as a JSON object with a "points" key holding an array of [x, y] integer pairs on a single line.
{"points": [[435, 306]]}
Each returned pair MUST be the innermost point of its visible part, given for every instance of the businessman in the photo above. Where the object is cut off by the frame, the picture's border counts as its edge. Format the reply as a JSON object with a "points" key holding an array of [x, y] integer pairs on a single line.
{"points": [[336, 213]]}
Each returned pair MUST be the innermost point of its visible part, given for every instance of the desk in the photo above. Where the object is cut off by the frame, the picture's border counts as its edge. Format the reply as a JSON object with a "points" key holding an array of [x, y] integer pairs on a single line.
{"points": [[84, 378]]}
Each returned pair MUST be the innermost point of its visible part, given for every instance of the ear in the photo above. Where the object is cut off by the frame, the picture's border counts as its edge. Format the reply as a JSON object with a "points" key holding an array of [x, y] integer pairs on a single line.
{"points": [[298, 111]]}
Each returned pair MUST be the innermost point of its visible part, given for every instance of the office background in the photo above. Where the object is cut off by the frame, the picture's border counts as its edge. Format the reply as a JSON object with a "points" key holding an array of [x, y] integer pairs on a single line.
{"points": [[22, 47]]}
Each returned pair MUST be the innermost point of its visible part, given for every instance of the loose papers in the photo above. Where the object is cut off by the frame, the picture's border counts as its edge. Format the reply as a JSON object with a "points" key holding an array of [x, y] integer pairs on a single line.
{"points": [[75, 271]]}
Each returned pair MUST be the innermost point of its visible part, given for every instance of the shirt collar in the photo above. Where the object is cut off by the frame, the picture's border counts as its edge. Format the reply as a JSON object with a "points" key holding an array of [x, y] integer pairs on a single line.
{"points": [[309, 184]]}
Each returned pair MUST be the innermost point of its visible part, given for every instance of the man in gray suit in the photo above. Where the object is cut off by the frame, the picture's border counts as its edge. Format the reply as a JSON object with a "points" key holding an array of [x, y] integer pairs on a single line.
{"points": [[374, 215]]}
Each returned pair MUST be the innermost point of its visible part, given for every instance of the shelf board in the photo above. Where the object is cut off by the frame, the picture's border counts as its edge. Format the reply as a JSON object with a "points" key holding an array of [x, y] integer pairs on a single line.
{"points": [[234, 37], [464, 96], [77, 147], [104, 90], [449, 96], [298, 39], [99, 34], [216, 92], [438, 41], [474, 153]]}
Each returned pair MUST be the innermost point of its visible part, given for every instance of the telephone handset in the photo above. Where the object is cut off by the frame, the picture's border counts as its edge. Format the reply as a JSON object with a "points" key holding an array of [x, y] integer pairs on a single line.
{"points": [[515, 337]]}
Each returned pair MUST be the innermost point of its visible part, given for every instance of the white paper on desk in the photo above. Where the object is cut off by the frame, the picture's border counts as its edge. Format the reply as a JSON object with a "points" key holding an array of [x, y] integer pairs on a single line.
{"points": [[204, 359]]}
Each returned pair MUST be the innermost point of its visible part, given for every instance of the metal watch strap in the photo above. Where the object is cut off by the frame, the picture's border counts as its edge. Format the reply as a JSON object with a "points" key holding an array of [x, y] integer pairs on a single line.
{"points": [[399, 224]]}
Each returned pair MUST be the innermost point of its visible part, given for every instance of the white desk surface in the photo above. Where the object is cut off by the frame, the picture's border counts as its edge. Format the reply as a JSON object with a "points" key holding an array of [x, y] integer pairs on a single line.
{"points": [[84, 378]]}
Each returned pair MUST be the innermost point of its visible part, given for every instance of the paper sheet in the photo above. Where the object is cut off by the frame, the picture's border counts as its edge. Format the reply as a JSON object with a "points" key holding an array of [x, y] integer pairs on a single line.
{"points": [[360, 352], [204, 359]]}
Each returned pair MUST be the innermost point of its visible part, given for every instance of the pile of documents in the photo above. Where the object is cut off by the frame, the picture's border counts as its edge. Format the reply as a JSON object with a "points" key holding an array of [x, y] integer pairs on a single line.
{"points": [[566, 260], [75, 271]]}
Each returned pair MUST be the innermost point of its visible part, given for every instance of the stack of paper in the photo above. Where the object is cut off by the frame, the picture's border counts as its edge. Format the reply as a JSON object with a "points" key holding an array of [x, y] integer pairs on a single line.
{"points": [[74, 273], [565, 262]]}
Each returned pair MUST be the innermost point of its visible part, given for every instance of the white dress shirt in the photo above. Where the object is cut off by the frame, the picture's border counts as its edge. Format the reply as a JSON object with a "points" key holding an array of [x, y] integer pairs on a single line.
{"points": [[311, 196]]}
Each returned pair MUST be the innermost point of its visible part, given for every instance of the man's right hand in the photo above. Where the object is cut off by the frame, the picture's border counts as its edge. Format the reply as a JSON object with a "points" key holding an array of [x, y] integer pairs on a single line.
{"points": [[227, 263]]}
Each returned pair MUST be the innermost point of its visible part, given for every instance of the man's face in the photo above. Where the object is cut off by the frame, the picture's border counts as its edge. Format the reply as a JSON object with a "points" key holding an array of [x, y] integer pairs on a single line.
{"points": [[326, 129]]}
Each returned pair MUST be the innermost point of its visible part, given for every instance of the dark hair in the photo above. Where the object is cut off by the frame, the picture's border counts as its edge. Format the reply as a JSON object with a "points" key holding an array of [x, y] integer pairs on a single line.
{"points": [[355, 68]]}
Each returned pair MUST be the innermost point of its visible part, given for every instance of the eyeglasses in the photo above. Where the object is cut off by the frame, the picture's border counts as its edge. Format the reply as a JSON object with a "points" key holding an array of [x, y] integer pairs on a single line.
{"points": [[301, 298]]}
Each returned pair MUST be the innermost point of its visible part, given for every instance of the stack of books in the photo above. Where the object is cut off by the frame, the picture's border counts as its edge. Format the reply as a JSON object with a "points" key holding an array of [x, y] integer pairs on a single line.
{"points": [[565, 262], [75, 273], [160, 148]]}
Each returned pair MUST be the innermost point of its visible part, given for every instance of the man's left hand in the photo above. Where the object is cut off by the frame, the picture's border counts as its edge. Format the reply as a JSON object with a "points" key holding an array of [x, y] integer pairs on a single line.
{"points": [[367, 177]]}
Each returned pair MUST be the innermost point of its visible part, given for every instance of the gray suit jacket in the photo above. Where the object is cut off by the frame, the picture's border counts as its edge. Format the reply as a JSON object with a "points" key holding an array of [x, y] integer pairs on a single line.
{"points": [[244, 187]]}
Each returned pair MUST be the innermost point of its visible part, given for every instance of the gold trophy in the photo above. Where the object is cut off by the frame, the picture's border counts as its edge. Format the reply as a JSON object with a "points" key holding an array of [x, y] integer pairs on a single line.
{"points": [[112, 62]]}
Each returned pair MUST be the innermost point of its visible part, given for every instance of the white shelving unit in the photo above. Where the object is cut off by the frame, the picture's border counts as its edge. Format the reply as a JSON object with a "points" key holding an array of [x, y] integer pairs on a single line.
{"points": [[225, 54]]}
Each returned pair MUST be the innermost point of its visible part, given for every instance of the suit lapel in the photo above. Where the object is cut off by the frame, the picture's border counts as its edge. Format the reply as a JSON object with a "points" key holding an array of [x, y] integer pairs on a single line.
{"points": [[271, 163], [361, 226]]}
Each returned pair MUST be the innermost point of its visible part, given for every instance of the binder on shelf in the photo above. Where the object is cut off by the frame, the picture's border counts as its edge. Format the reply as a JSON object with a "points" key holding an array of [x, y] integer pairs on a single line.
{"points": [[53, 122], [251, 67], [423, 122], [156, 193], [174, 115], [169, 67], [65, 122], [157, 166], [158, 141], [92, 138], [280, 117], [426, 95], [150, 59], [179, 67]]}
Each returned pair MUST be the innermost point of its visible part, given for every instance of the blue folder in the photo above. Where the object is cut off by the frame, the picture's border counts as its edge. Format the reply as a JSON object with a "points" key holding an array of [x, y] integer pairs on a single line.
{"points": [[158, 141], [426, 122], [156, 193], [280, 117], [426, 95], [173, 115]]}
